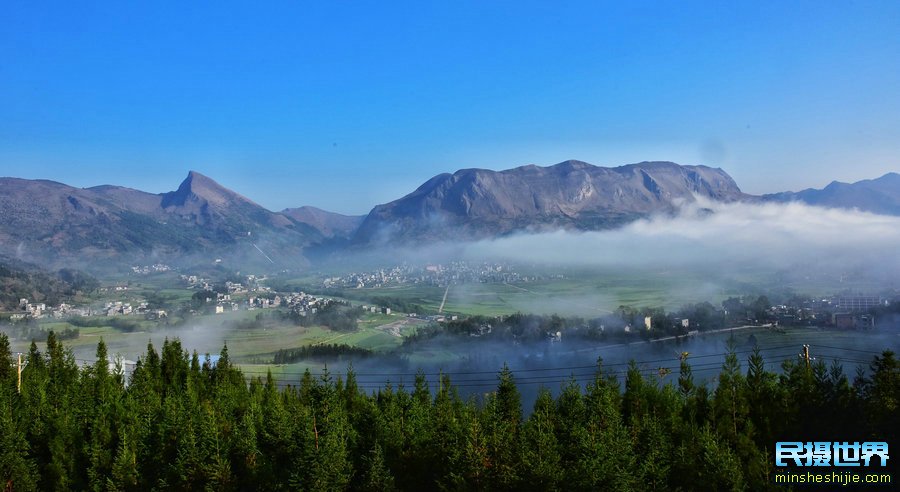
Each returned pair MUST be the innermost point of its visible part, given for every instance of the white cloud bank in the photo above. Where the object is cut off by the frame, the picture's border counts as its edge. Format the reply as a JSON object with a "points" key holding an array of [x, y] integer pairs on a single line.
{"points": [[710, 234]]}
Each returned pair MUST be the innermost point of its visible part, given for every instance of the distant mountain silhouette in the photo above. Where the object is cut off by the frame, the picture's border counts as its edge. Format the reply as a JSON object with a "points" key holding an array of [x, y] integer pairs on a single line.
{"points": [[328, 224], [880, 196]]}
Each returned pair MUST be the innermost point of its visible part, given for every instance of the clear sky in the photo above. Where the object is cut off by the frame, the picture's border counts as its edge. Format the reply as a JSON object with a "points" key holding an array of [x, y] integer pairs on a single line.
{"points": [[344, 105]]}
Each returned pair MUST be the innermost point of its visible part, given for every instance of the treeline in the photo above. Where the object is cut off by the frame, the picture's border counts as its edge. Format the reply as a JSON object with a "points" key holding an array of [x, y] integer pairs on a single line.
{"points": [[337, 316], [20, 280], [623, 324], [521, 327], [180, 424], [402, 305], [319, 352], [121, 323], [33, 331]]}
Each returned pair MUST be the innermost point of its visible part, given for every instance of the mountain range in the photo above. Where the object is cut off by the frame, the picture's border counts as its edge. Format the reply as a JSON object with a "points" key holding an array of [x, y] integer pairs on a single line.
{"points": [[45, 221]]}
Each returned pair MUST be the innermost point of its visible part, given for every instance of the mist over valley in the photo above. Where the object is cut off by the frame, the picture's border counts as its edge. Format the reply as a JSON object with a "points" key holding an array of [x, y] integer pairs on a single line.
{"points": [[602, 248]]}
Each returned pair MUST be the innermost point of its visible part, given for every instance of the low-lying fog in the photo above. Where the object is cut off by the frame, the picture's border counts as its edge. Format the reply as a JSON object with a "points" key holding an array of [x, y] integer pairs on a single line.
{"points": [[710, 237], [703, 234]]}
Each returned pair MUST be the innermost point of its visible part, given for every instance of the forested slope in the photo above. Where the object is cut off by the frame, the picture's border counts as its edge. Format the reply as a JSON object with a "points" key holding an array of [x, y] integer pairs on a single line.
{"points": [[183, 425]]}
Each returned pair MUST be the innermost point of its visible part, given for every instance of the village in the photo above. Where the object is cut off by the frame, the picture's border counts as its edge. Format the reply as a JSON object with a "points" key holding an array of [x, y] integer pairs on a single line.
{"points": [[439, 275], [208, 297]]}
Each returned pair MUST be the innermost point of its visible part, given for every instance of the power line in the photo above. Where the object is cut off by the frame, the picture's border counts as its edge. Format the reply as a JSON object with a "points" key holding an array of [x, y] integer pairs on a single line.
{"points": [[849, 349], [564, 378], [539, 380], [548, 378], [577, 374], [516, 371]]}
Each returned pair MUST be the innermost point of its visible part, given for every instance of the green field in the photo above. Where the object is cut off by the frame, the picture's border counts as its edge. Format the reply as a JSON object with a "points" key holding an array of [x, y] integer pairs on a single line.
{"points": [[576, 295], [593, 291], [207, 334]]}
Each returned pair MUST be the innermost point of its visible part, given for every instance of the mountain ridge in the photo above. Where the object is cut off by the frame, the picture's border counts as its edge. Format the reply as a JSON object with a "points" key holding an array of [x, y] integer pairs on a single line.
{"points": [[48, 219], [878, 195], [473, 203]]}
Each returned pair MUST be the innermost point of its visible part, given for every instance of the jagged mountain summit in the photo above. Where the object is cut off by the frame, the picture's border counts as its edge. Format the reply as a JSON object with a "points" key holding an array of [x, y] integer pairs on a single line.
{"points": [[476, 203]]}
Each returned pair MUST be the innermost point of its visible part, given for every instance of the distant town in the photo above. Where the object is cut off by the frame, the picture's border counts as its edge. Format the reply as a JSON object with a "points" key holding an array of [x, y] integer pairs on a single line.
{"points": [[439, 275]]}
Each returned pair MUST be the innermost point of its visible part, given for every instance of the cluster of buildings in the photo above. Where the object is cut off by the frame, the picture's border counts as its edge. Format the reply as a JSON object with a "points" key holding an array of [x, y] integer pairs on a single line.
{"points": [[38, 310], [251, 283], [120, 308], [382, 310], [438, 318], [298, 302], [148, 269], [433, 274], [195, 282], [114, 288], [844, 311]]}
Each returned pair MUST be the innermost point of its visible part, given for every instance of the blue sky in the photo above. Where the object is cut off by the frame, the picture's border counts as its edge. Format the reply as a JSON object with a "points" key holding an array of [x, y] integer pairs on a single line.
{"points": [[344, 105]]}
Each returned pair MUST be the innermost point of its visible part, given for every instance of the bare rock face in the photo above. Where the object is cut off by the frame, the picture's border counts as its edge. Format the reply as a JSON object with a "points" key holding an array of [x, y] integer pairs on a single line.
{"points": [[475, 203]]}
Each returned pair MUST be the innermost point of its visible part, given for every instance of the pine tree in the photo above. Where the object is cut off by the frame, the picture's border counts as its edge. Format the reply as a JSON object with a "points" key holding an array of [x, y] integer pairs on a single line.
{"points": [[448, 433], [215, 464], [764, 400], [541, 462], [8, 374], [634, 401], [729, 401], [376, 476], [881, 392], [124, 475], [331, 465], [605, 451], [17, 470], [474, 463], [571, 416], [509, 401], [502, 417]]}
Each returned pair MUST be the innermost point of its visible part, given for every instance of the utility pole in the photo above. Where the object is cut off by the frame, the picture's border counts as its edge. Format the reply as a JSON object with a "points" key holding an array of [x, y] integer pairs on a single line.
{"points": [[316, 432], [805, 355], [19, 385]]}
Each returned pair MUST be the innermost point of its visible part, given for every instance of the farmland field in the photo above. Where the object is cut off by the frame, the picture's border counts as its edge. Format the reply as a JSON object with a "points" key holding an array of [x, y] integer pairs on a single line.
{"points": [[577, 294], [207, 334]]}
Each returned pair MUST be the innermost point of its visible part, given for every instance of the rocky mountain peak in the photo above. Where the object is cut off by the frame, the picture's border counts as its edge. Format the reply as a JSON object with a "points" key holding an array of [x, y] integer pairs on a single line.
{"points": [[200, 188]]}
